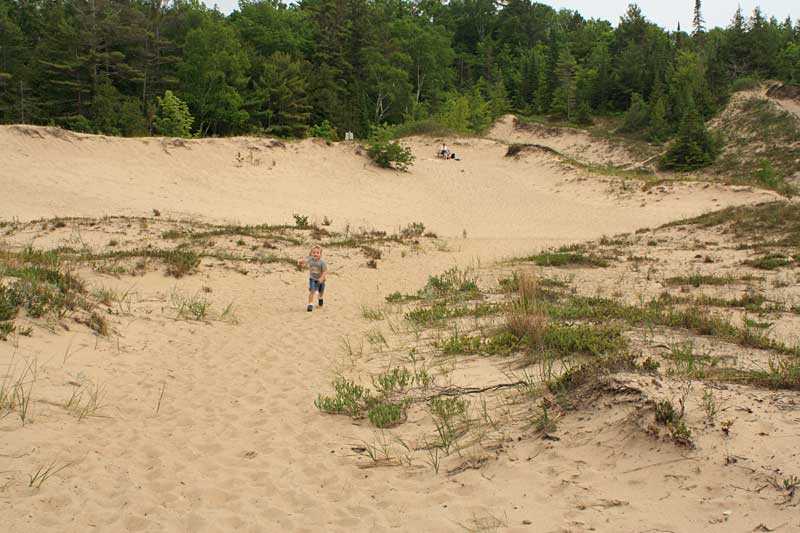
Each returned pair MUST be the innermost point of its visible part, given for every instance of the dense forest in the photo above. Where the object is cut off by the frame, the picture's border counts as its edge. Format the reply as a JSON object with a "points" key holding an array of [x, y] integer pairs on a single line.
{"points": [[138, 67]]}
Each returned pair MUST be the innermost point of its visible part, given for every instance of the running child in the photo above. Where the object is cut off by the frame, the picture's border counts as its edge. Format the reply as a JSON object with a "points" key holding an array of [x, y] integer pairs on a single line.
{"points": [[317, 272]]}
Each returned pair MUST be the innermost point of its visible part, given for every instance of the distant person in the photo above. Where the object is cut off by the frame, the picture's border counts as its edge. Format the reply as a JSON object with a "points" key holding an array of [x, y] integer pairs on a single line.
{"points": [[444, 152], [317, 272]]}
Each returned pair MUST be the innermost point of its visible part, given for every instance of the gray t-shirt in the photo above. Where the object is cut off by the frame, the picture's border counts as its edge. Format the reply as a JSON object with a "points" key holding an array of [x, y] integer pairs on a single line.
{"points": [[316, 267]]}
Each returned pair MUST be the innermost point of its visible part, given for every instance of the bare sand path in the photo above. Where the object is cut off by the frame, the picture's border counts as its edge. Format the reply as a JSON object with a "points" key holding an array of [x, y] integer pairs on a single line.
{"points": [[237, 443]]}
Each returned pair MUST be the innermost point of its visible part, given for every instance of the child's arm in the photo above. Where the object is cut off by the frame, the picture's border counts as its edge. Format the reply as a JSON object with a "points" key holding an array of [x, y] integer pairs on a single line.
{"points": [[302, 262]]}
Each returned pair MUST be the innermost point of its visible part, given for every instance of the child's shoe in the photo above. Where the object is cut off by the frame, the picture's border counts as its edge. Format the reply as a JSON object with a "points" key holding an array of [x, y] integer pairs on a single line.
{"points": [[310, 308], [320, 302]]}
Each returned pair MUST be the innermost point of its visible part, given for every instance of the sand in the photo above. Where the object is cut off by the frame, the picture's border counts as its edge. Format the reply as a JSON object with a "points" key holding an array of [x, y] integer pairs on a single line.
{"points": [[211, 426]]}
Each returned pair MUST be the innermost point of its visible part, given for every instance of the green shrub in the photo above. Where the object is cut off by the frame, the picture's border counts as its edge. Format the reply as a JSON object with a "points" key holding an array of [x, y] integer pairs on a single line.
{"points": [[388, 153], [350, 399], [665, 412], [300, 221], [744, 84], [8, 304], [771, 261], [386, 414], [323, 131], [6, 329], [180, 262], [78, 123], [414, 229], [766, 175], [451, 281], [395, 380], [558, 259]]}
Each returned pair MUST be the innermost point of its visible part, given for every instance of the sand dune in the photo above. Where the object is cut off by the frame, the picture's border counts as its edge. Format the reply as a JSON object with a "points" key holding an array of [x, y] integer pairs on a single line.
{"points": [[210, 426], [528, 200]]}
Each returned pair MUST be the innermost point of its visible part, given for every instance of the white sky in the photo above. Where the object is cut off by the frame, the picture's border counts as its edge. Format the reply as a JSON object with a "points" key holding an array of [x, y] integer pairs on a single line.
{"points": [[665, 13]]}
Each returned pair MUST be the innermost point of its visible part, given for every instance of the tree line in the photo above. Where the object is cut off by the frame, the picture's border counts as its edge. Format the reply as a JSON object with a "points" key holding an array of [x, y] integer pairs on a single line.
{"points": [[138, 67]]}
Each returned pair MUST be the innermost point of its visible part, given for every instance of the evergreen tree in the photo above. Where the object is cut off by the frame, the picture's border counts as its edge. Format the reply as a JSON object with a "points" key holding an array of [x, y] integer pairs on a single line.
{"points": [[13, 57], [114, 113], [499, 104], [480, 113], [737, 46], [277, 99], [697, 20], [564, 97], [585, 81], [271, 66], [637, 117], [693, 148], [658, 126]]}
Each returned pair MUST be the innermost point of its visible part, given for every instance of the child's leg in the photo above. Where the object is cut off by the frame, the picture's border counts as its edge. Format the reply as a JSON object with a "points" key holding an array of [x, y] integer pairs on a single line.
{"points": [[312, 288], [321, 292]]}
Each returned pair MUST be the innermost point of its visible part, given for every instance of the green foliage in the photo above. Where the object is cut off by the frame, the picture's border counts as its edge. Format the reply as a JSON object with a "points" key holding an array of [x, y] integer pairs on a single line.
{"points": [[659, 128], [173, 119], [388, 153], [396, 380], [78, 123], [767, 176], [180, 262], [694, 147], [448, 408], [279, 97], [300, 221], [560, 259], [771, 261], [637, 117], [453, 281], [212, 71], [116, 114], [544, 423], [350, 399], [745, 84], [468, 113], [385, 414], [665, 412], [275, 68], [323, 131]]}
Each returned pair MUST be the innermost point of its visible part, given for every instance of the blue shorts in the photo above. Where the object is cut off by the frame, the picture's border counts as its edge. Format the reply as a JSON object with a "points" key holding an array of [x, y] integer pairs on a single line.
{"points": [[315, 285]]}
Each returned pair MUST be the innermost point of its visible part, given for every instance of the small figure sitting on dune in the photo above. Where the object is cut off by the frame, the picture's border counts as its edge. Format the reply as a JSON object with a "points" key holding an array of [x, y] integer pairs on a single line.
{"points": [[445, 153]]}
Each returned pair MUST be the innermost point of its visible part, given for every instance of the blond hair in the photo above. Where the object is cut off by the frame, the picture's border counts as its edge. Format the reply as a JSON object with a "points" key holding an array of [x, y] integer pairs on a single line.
{"points": [[315, 247]]}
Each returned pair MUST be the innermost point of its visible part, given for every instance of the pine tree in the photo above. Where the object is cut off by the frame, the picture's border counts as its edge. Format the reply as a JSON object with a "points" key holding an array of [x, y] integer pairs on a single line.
{"points": [[658, 127], [564, 97], [697, 21], [693, 148], [637, 116]]}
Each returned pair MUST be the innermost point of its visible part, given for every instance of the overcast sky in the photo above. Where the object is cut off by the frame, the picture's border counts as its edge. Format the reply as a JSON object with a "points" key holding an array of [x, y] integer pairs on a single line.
{"points": [[665, 13]]}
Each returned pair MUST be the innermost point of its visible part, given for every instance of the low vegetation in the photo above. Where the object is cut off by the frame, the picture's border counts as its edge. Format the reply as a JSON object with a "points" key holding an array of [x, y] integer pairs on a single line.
{"points": [[41, 285], [562, 349]]}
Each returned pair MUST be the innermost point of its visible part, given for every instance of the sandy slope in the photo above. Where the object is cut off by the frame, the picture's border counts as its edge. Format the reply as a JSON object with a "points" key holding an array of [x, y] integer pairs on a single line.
{"points": [[236, 443], [528, 200]]}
